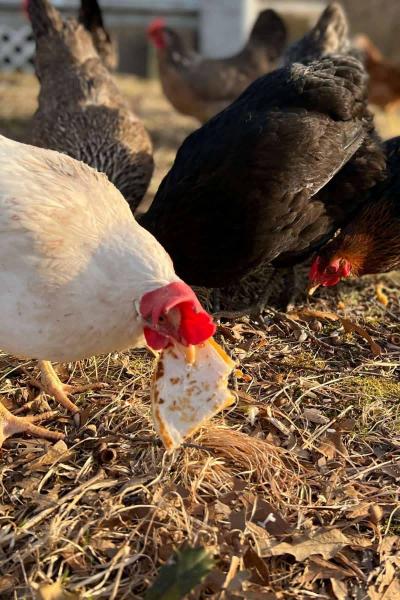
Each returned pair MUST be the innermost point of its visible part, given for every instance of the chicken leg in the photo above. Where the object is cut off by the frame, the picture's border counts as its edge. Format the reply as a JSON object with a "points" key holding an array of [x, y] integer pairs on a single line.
{"points": [[10, 424], [51, 384]]}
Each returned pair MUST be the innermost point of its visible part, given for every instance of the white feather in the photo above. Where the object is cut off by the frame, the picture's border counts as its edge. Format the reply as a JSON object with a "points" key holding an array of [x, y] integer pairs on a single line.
{"points": [[74, 263]]}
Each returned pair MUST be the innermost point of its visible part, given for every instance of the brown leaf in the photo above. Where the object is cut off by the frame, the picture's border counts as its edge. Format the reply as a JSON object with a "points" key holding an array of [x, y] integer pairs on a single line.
{"points": [[219, 511], [306, 314], [253, 562], [359, 511], [319, 568], [326, 542], [349, 326], [392, 470], [339, 588], [342, 558], [392, 592], [315, 416], [266, 516], [7, 583], [387, 577], [345, 425], [238, 519], [388, 544], [56, 452], [332, 445]]}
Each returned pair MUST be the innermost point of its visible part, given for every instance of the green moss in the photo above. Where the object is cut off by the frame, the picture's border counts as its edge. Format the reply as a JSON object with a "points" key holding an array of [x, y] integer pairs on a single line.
{"points": [[377, 387], [305, 359]]}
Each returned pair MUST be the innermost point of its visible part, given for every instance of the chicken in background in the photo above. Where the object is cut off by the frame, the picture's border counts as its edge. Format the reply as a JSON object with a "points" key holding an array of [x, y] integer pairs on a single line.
{"points": [[384, 76], [80, 277], [202, 87], [91, 17], [272, 177], [81, 111], [370, 243], [330, 35]]}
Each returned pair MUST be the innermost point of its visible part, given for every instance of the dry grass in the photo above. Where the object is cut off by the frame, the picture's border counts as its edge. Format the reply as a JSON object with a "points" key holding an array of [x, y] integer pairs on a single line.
{"points": [[313, 440]]}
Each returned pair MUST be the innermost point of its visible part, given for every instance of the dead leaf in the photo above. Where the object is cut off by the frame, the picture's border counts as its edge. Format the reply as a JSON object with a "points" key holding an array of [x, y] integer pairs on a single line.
{"points": [[326, 542], [56, 452], [319, 568], [219, 511], [55, 591], [259, 535], [348, 562], [238, 519], [376, 513], [392, 592], [389, 544], [253, 562], [392, 470], [7, 583], [315, 416], [306, 314], [266, 516], [349, 326], [359, 512], [332, 445], [387, 576], [339, 588], [345, 425]]}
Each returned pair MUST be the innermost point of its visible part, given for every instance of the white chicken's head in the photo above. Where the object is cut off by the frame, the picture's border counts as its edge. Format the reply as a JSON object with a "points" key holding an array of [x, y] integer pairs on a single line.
{"points": [[173, 313]]}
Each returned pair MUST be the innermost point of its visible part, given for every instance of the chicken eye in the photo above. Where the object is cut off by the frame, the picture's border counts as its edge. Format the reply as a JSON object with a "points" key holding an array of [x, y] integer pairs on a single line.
{"points": [[331, 270]]}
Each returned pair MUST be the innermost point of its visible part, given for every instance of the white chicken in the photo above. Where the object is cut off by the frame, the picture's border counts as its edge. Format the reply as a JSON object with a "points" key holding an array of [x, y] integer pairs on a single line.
{"points": [[78, 275]]}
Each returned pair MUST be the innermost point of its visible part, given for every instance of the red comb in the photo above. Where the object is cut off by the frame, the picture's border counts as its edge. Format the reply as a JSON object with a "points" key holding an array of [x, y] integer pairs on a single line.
{"points": [[25, 5], [155, 25]]}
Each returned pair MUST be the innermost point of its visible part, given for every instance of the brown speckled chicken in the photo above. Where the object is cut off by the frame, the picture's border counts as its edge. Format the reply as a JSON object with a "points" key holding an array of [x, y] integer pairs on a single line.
{"points": [[92, 19], [81, 111], [271, 177], [203, 87], [384, 76]]}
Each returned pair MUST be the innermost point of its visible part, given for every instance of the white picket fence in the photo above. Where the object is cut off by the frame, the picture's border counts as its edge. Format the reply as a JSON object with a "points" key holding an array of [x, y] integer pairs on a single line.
{"points": [[16, 48]]}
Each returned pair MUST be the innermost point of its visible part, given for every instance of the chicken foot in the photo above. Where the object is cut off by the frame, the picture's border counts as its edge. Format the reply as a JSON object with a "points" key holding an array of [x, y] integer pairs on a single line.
{"points": [[50, 383], [11, 424]]}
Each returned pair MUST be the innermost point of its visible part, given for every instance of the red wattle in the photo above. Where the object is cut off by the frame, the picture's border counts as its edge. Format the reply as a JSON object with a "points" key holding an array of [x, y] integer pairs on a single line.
{"points": [[155, 340]]}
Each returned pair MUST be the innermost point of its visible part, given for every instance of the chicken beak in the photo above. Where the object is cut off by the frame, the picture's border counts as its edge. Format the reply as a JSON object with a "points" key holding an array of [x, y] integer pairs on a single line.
{"points": [[312, 288], [190, 354]]}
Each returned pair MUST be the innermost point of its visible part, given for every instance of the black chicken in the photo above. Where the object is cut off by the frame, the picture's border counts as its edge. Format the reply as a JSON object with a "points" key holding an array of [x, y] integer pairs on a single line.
{"points": [[271, 177]]}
